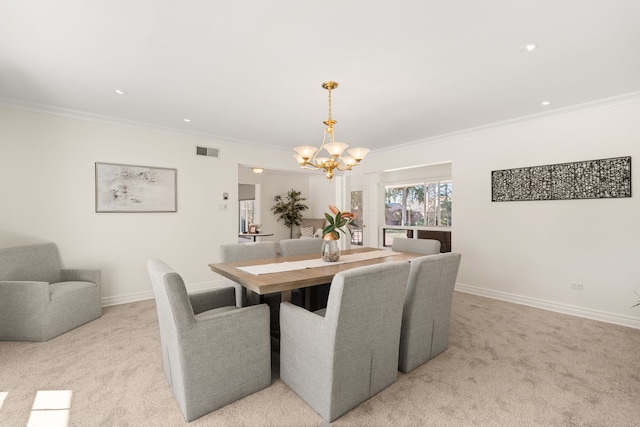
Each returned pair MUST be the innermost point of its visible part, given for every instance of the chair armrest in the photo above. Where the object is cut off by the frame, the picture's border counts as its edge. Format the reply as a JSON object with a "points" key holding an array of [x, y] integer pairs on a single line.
{"points": [[23, 291], [229, 333], [300, 317], [305, 327], [306, 351], [80, 275], [213, 298]]}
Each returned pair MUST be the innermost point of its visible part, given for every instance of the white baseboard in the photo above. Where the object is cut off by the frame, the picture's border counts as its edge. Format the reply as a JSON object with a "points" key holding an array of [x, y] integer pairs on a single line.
{"points": [[631, 322], [141, 296]]}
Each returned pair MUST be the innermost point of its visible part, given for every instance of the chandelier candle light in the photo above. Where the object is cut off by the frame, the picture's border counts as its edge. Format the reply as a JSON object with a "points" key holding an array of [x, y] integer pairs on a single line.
{"points": [[307, 156]]}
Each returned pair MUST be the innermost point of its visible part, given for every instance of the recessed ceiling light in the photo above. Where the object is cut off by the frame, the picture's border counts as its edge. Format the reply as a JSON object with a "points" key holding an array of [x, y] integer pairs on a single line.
{"points": [[187, 120], [546, 102], [121, 92], [529, 47]]}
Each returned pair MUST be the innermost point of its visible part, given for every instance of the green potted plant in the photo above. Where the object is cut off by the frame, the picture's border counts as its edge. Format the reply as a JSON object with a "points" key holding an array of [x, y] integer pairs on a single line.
{"points": [[290, 210]]}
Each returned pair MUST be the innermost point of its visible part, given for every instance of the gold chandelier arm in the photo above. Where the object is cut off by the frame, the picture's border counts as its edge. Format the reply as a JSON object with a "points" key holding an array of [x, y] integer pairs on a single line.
{"points": [[342, 167], [324, 138]]}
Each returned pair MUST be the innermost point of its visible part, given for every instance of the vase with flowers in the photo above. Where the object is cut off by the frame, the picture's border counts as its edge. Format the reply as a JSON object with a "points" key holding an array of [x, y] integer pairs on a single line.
{"points": [[336, 223]]}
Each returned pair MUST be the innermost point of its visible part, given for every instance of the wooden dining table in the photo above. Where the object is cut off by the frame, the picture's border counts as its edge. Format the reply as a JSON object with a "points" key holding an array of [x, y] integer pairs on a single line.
{"points": [[285, 281], [307, 279]]}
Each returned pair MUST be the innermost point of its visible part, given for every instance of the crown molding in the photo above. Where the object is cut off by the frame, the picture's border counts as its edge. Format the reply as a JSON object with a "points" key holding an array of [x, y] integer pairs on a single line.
{"points": [[82, 115], [614, 101]]}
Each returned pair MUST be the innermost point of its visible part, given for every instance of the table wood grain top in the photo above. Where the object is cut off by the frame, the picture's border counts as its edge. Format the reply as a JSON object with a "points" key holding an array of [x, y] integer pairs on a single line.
{"points": [[288, 280]]}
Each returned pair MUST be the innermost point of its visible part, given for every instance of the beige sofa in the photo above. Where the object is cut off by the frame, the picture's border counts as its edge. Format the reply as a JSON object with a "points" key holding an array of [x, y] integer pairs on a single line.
{"points": [[316, 223]]}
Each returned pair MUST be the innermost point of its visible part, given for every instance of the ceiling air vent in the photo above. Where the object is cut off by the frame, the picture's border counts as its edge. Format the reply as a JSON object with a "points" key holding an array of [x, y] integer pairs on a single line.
{"points": [[206, 151]]}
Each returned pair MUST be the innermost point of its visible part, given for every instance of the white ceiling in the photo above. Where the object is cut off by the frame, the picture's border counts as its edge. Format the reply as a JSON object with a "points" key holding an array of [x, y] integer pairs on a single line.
{"points": [[251, 70]]}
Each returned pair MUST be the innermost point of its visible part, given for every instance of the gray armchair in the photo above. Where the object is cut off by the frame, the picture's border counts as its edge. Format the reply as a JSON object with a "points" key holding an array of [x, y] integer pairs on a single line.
{"points": [[339, 357], [39, 299], [213, 352], [427, 309], [416, 246], [236, 252]]}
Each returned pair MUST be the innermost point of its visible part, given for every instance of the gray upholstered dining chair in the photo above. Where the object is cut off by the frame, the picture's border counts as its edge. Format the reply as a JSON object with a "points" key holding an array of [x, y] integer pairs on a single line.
{"points": [[339, 357], [427, 309], [213, 353], [291, 247], [416, 246], [236, 252]]}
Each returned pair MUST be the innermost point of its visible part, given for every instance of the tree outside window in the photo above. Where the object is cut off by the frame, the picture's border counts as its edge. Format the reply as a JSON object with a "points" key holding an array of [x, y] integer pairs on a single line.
{"points": [[420, 204]]}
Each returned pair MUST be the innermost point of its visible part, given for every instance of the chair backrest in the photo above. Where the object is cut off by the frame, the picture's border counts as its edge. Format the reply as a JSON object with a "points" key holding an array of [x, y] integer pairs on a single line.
{"points": [[365, 312], [427, 308], [291, 247], [172, 299], [38, 263], [247, 251], [236, 252], [175, 313], [416, 246]]}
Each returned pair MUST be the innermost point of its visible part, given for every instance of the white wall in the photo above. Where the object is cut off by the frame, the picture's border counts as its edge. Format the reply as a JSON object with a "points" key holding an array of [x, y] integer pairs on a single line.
{"points": [[47, 187], [324, 194], [529, 252]]}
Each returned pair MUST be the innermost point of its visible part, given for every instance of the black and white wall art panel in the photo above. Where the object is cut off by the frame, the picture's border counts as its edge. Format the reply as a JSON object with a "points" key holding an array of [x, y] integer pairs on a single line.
{"points": [[591, 179]]}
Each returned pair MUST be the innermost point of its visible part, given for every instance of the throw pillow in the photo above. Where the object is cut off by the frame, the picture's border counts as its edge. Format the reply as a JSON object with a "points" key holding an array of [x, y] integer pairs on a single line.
{"points": [[306, 231]]}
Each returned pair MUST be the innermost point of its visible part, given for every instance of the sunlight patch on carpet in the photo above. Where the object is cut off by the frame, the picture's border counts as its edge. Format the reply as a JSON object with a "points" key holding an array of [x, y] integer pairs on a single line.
{"points": [[51, 408]]}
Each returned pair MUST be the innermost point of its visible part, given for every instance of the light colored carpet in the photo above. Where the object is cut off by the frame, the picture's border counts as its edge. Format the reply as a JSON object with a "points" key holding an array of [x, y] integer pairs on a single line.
{"points": [[507, 365]]}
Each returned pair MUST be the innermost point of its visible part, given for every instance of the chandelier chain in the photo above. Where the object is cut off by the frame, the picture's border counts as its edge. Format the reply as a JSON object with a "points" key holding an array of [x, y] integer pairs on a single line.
{"points": [[330, 106]]}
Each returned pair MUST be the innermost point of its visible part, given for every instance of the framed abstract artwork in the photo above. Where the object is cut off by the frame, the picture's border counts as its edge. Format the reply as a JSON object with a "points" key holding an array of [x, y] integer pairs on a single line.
{"points": [[130, 188], [591, 179]]}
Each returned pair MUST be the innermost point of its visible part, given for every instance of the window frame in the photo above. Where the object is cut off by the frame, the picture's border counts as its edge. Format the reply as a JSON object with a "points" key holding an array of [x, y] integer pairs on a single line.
{"points": [[412, 230]]}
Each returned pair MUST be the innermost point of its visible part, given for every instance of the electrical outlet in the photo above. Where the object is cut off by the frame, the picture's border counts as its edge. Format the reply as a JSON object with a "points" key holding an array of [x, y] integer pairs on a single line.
{"points": [[575, 285]]}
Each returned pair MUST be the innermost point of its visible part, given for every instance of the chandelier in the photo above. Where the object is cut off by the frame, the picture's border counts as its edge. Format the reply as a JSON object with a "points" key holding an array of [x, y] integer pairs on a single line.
{"points": [[307, 156]]}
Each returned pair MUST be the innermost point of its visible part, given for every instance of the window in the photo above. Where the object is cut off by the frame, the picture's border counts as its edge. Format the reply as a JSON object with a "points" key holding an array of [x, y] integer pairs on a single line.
{"points": [[358, 210], [249, 200], [247, 209], [391, 233], [419, 204]]}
